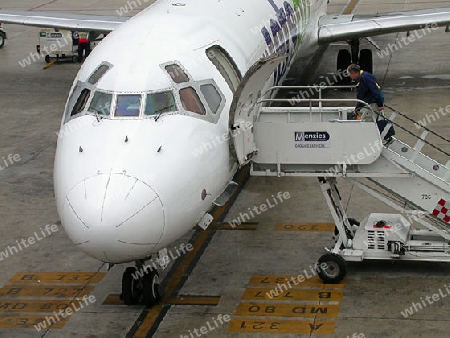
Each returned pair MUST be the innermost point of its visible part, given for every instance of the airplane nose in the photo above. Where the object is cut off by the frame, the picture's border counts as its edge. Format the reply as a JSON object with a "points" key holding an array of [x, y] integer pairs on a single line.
{"points": [[115, 218]]}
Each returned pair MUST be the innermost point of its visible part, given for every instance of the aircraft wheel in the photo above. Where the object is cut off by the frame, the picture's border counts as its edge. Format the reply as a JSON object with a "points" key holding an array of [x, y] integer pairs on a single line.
{"points": [[47, 58], [150, 291], [75, 59], [2, 39], [335, 269], [130, 287], [366, 60], [344, 59]]}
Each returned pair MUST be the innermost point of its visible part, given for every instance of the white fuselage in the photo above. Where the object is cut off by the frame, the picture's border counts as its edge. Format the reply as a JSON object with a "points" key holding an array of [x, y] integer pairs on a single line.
{"points": [[128, 186]]}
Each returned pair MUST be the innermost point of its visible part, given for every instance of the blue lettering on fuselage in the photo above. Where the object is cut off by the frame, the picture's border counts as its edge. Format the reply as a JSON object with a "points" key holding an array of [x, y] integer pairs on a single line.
{"points": [[275, 7], [280, 44]]}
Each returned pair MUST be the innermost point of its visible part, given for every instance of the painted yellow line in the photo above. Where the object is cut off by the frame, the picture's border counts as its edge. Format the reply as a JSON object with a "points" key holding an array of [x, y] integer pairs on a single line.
{"points": [[77, 278], [53, 291], [351, 7], [180, 300], [303, 280], [149, 321], [318, 227], [173, 283], [243, 226], [152, 316], [287, 310], [282, 326], [50, 64], [29, 322], [113, 300], [294, 294], [37, 306], [193, 300]]}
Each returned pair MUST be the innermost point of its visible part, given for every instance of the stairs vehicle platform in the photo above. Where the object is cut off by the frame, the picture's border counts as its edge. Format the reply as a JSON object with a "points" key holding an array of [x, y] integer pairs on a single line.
{"points": [[319, 139]]}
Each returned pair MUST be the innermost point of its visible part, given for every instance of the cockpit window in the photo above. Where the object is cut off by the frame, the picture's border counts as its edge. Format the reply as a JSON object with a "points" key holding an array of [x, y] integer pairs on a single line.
{"points": [[81, 102], [177, 74], [158, 103], [128, 105], [212, 97], [98, 73], [101, 103], [191, 102]]}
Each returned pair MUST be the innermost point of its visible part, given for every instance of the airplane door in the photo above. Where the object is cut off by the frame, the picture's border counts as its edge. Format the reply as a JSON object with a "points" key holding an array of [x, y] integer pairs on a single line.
{"points": [[245, 107]]}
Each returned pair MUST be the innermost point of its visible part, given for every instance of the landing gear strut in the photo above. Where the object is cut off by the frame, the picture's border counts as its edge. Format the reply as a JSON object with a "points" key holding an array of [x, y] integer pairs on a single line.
{"points": [[362, 57], [140, 285]]}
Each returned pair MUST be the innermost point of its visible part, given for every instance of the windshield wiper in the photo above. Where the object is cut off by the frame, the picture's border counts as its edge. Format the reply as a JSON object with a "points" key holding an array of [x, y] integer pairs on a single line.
{"points": [[161, 111], [98, 114]]}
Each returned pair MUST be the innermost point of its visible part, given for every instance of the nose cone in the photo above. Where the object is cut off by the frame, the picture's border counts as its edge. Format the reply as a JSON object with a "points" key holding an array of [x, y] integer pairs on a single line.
{"points": [[115, 218]]}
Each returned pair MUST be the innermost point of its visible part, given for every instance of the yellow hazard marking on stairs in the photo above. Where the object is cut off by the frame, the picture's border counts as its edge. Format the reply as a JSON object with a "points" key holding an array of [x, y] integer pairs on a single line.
{"points": [[317, 227]]}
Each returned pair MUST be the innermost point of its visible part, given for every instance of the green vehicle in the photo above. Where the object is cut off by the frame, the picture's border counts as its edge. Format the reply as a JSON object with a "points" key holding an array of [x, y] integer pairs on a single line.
{"points": [[2, 36]]}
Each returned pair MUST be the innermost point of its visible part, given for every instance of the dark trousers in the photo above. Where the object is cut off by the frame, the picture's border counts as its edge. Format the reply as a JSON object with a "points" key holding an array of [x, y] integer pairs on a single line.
{"points": [[86, 47]]}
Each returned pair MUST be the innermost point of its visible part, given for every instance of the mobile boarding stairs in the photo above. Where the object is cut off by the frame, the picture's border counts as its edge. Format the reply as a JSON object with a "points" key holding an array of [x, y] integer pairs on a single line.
{"points": [[320, 141]]}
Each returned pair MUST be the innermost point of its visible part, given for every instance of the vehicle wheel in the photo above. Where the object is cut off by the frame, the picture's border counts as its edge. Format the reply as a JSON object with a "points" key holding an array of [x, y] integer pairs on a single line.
{"points": [[2, 39], [47, 58], [366, 60], [335, 269], [75, 59], [150, 292], [130, 289]]}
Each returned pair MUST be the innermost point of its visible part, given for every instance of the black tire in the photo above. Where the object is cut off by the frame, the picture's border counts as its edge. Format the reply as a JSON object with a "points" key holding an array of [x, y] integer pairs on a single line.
{"points": [[150, 292], [47, 58], [366, 60], [336, 268], [2, 39], [130, 294], [75, 59], [344, 59]]}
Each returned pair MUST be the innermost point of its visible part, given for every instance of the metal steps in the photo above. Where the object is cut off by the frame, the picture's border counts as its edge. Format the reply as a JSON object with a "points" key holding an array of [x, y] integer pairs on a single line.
{"points": [[318, 140]]}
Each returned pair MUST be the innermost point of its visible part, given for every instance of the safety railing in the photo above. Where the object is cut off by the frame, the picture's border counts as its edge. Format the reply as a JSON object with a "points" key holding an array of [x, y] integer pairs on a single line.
{"points": [[421, 141]]}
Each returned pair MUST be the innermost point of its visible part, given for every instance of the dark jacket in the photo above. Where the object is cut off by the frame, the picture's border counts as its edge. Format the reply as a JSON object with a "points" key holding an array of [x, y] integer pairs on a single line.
{"points": [[368, 90]]}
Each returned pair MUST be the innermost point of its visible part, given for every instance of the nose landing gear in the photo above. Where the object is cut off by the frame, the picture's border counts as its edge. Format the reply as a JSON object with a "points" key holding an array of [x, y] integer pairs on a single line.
{"points": [[140, 285]]}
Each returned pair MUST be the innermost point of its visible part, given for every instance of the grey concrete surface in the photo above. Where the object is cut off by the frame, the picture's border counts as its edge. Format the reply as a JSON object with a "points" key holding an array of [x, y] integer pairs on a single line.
{"points": [[415, 80]]}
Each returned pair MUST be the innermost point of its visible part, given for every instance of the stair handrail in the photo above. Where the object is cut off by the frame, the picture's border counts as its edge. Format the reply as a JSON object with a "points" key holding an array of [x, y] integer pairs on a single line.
{"points": [[414, 135], [319, 89]]}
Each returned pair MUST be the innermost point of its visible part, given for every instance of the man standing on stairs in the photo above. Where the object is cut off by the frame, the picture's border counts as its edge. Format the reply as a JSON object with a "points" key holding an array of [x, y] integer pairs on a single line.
{"points": [[369, 91]]}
